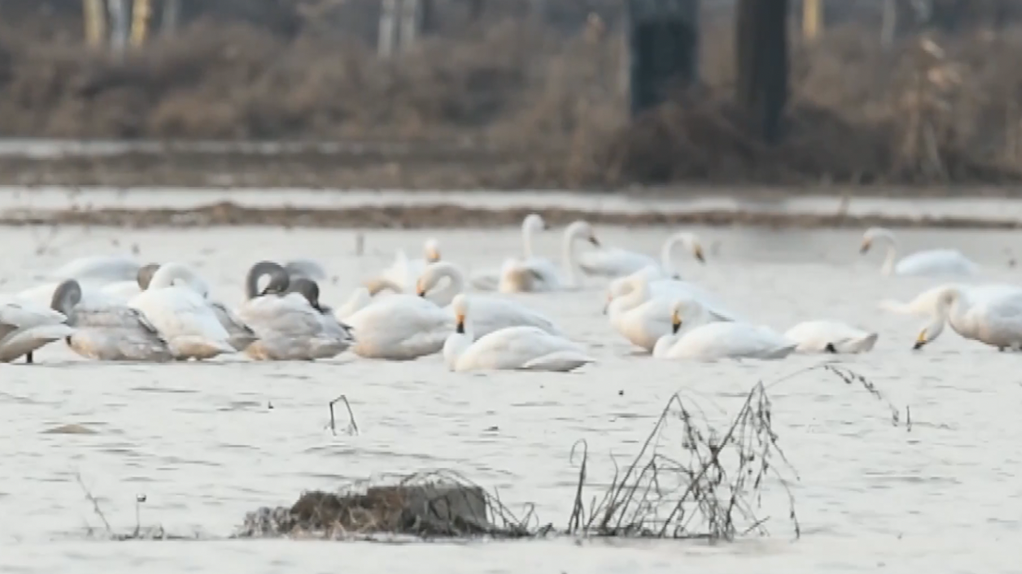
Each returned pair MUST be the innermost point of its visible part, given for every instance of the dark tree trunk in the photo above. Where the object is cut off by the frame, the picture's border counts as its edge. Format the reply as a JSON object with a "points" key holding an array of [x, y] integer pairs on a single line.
{"points": [[664, 48], [762, 64]]}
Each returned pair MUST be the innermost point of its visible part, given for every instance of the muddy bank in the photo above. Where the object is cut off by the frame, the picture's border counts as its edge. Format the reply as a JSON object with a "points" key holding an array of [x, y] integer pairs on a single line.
{"points": [[509, 102], [451, 216]]}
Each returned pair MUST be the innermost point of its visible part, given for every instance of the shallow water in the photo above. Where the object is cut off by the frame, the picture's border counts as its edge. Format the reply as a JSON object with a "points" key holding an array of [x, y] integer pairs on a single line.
{"points": [[202, 442]]}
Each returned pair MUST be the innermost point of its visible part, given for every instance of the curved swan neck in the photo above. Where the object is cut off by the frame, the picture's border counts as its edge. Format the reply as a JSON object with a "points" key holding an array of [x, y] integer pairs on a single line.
{"points": [[455, 278], [878, 234], [261, 269], [527, 238], [169, 274], [374, 286], [571, 234], [66, 296]]}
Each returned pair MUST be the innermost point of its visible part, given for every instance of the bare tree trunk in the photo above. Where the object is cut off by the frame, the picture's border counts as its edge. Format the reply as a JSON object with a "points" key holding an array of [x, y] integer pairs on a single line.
{"points": [[762, 53]]}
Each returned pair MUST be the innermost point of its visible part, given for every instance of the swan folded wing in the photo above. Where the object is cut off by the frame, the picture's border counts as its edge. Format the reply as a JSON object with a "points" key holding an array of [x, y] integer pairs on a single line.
{"points": [[179, 311], [1000, 318], [613, 262], [493, 313], [289, 316], [514, 347], [229, 319], [110, 317], [26, 314]]}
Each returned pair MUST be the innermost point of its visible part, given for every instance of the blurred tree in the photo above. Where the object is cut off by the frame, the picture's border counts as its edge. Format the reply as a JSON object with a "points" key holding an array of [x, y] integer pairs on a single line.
{"points": [[762, 54]]}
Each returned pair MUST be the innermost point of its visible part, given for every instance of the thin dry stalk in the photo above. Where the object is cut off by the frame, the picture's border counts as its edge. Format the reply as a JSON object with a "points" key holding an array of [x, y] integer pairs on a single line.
{"points": [[710, 486], [352, 425]]}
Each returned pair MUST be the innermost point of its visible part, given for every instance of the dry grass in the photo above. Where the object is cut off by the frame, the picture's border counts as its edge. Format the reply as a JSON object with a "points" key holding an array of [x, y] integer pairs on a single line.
{"points": [[547, 101]]}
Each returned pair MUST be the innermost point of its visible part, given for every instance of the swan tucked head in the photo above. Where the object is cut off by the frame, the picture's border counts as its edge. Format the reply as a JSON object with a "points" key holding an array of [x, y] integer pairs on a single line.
{"points": [[145, 275], [431, 276], [306, 288], [178, 275], [582, 230], [66, 296], [432, 250], [460, 307], [278, 283], [305, 268], [872, 234], [534, 222]]}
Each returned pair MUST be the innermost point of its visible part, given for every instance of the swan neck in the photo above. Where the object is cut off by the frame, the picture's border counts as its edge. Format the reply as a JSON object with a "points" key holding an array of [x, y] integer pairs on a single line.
{"points": [[667, 255], [527, 241], [892, 255], [568, 253], [455, 285]]}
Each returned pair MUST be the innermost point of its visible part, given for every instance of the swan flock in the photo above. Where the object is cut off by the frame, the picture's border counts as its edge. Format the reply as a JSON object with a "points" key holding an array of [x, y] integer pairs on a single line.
{"points": [[113, 308]]}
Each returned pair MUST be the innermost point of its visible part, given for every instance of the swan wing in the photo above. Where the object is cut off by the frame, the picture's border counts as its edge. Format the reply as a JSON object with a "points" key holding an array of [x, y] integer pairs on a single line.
{"points": [[673, 288], [24, 314], [185, 319], [400, 326], [713, 341], [492, 313], [513, 348], [613, 262], [830, 336], [104, 268], [936, 262]]}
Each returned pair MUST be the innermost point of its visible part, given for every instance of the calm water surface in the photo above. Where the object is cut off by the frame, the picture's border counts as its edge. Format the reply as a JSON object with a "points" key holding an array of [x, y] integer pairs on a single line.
{"points": [[202, 442]]}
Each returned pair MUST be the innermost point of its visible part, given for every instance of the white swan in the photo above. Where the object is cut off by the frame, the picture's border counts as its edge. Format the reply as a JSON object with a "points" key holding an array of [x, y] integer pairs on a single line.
{"points": [[541, 274], [241, 335], [830, 337], [182, 316], [512, 348], [991, 316], [719, 340], [288, 319], [108, 332], [929, 262], [643, 319], [25, 327], [667, 289], [615, 262], [404, 271], [399, 327], [489, 280], [489, 313], [925, 303], [93, 293], [98, 268]]}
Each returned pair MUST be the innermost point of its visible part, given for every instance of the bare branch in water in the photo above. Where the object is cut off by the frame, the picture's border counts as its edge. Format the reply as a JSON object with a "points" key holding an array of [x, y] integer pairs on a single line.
{"points": [[352, 425], [95, 503]]}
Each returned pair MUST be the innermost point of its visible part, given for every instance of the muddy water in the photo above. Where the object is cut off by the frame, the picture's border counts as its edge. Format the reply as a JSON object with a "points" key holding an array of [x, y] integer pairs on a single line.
{"points": [[207, 442]]}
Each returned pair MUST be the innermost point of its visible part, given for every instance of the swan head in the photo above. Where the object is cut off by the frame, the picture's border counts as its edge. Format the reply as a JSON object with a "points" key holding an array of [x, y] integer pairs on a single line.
{"points": [[66, 296], [278, 283], [871, 235], [677, 309], [145, 275], [582, 230], [460, 307], [690, 241], [306, 288], [432, 250], [534, 222]]}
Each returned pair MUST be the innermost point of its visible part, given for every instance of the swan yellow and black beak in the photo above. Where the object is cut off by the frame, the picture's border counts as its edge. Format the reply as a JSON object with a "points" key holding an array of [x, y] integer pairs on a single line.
{"points": [[433, 255], [865, 246], [675, 322], [419, 290], [606, 304], [698, 252], [920, 341], [459, 324], [594, 240]]}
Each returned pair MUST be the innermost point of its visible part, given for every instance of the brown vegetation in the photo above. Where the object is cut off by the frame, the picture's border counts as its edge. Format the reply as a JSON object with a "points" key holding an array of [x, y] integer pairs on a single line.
{"points": [[537, 107]]}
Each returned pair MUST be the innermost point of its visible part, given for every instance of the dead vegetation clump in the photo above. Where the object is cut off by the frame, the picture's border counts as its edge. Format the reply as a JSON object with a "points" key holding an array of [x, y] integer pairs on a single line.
{"points": [[689, 480]]}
